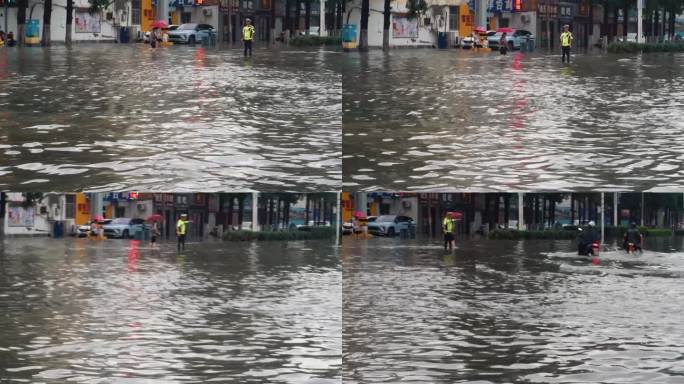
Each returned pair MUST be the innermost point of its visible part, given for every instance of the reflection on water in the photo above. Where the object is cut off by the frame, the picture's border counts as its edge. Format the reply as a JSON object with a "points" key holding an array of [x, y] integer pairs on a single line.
{"points": [[117, 311], [126, 116], [500, 311], [426, 119]]}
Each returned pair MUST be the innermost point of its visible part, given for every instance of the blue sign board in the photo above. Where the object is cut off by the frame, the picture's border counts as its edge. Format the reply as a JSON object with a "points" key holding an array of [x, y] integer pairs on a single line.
{"points": [[499, 6]]}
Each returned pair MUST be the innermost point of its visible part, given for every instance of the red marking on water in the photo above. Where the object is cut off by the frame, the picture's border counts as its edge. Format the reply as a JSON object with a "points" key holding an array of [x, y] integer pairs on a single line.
{"points": [[133, 252]]}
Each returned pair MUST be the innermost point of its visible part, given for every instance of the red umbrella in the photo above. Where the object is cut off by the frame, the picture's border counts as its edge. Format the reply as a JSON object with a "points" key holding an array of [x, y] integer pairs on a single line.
{"points": [[160, 24], [155, 217], [455, 215], [505, 29], [480, 28]]}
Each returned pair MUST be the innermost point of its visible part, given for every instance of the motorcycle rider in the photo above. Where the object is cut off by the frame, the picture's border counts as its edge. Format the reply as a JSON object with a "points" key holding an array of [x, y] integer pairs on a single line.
{"points": [[585, 238], [634, 236]]}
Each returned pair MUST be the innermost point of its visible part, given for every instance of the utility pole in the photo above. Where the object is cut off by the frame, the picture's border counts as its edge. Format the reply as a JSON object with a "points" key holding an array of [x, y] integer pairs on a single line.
{"points": [[321, 28], [163, 10], [338, 218], [481, 13], [640, 21], [255, 211]]}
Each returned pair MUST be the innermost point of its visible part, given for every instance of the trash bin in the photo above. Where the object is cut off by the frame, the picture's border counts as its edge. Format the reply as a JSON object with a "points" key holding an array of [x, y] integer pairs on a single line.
{"points": [[58, 229], [124, 35], [442, 40], [205, 40], [349, 36], [32, 28], [212, 40], [404, 233]]}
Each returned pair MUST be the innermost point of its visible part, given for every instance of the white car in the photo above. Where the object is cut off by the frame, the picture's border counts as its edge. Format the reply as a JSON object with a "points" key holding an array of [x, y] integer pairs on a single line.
{"points": [[192, 33], [347, 228], [389, 225], [631, 38]]}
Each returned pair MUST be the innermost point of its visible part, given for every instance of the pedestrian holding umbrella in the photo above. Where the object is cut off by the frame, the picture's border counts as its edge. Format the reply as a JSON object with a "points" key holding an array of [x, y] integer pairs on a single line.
{"points": [[155, 229]]}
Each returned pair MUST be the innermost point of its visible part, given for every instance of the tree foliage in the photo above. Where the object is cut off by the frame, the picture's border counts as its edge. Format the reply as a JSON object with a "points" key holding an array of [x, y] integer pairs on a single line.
{"points": [[416, 8]]}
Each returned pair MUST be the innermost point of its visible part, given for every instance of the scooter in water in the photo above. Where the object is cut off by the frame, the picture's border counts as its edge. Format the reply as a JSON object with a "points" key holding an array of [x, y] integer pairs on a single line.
{"points": [[631, 248], [591, 249], [595, 248]]}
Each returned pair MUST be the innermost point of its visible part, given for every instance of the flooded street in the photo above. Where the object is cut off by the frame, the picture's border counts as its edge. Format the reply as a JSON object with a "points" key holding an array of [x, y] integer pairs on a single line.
{"points": [[116, 311], [505, 311], [111, 117], [444, 120]]}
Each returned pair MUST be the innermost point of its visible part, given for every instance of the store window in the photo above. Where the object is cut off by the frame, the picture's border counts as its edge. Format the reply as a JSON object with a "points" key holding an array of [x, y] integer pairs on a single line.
{"points": [[135, 12], [453, 18], [70, 207]]}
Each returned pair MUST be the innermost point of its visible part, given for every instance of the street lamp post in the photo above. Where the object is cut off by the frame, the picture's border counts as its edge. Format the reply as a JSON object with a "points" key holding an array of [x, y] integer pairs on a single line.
{"points": [[255, 211], [338, 219], [640, 16]]}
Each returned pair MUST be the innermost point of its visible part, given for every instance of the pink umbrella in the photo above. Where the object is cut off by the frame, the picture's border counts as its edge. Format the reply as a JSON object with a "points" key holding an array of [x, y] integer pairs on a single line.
{"points": [[480, 28], [505, 29], [160, 24], [359, 215], [98, 218], [455, 215]]}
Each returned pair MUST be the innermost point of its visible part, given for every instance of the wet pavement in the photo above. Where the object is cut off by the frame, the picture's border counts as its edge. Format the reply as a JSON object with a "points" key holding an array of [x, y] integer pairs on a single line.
{"points": [[116, 311], [504, 311], [444, 120], [112, 117]]}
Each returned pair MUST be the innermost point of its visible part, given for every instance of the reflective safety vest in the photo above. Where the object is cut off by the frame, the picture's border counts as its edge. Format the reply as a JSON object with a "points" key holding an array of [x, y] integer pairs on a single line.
{"points": [[248, 32], [180, 226], [566, 39], [448, 225]]}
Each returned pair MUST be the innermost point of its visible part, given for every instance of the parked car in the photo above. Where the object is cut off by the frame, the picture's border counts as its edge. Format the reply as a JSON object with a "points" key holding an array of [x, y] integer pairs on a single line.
{"points": [[312, 224], [123, 227], [146, 37], [191, 33], [630, 38], [389, 225], [514, 39], [83, 230], [347, 228], [468, 42]]}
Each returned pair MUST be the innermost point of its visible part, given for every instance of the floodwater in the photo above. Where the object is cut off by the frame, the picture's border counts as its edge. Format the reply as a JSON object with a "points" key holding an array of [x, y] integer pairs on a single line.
{"points": [[118, 312], [503, 311], [444, 120], [112, 117]]}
